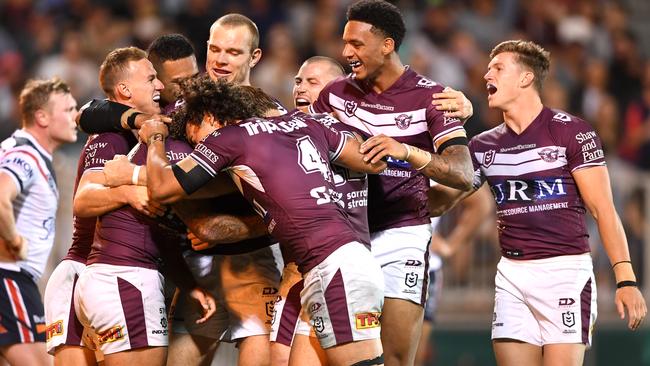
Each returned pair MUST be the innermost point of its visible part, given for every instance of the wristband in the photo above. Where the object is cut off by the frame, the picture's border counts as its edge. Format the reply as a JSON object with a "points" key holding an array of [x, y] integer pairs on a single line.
{"points": [[626, 284], [619, 262], [427, 163], [136, 175], [408, 151], [130, 121]]}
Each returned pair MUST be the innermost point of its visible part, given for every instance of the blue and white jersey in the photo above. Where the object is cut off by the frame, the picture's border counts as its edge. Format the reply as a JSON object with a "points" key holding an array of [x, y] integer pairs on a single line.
{"points": [[30, 167]]}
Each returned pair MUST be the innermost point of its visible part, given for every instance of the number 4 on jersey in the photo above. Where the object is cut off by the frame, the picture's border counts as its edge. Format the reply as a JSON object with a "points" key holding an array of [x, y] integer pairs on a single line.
{"points": [[310, 160]]}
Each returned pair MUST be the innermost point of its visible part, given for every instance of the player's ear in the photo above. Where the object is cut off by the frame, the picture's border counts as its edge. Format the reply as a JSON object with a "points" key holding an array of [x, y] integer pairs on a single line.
{"points": [[41, 118], [122, 90], [388, 46], [256, 55], [527, 78]]}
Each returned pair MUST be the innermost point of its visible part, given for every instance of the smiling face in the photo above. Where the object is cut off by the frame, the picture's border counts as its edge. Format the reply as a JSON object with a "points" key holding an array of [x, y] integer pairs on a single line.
{"points": [[143, 86], [310, 80], [365, 50], [505, 78], [171, 72], [230, 55], [61, 110]]}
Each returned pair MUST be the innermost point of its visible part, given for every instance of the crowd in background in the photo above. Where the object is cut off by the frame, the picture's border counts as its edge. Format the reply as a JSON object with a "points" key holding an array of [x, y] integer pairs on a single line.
{"points": [[600, 53]]}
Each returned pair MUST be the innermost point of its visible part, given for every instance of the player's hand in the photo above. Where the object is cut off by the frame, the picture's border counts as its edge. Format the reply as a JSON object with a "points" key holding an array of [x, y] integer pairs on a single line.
{"points": [[119, 171], [140, 119], [138, 198], [152, 127], [13, 250], [440, 246], [454, 104], [206, 303], [630, 298], [197, 244], [377, 147]]}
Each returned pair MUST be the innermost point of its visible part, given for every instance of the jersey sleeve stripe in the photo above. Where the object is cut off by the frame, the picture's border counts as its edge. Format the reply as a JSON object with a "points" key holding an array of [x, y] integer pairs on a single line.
{"points": [[588, 165], [445, 133], [38, 164], [339, 149], [205, 166], [19, 183]]}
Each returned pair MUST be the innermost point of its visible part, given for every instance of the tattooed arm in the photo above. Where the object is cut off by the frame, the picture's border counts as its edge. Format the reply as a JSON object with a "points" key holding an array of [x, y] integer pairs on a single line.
{"points": [[451, 167], [218, 228]]}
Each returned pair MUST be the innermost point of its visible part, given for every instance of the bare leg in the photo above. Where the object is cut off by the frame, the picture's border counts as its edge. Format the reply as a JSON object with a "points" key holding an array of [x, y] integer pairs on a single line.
{"points": [[565, 354], [510, 352], [423, 352], [26, 354], [255, 351], [150, 356], [306, 350], [187, 349], [401, 324], [73, 355]]}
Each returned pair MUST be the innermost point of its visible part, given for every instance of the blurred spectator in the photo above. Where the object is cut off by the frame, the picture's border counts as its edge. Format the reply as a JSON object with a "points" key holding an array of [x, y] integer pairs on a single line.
{"points": [[635, 144]]}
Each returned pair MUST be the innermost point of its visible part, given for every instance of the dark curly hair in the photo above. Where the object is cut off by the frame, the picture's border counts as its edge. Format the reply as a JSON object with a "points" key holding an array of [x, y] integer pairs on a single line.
{"points": [[384, 17], [227, 102]]}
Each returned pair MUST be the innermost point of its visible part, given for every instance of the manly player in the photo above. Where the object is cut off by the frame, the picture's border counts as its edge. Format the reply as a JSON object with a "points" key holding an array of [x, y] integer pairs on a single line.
{"points": [[382, 96], [545, 168]]}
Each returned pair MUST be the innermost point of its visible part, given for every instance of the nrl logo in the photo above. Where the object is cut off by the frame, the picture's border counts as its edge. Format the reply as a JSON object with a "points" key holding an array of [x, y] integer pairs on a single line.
{"points": [[411, 279], [569, 319], [488, 158], [403, 121], [548, 155], [350, 107]]}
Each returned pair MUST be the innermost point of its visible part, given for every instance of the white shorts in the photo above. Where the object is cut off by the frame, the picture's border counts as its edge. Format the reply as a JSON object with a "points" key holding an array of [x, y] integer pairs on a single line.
{"points": [[403, 256], [289, 318], [123, 306], [545, 301], [63, 327], [344, 296], [245, 287]]}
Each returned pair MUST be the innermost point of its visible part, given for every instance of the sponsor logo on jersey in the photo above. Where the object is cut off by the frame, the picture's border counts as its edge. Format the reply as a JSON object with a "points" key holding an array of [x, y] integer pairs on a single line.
{"points": [[53, 330], [350, 107], [413, 263], [549, 155], [516, 190], [403, 121], [209, 154], [367, 320], [569, 319], [566, 301], [488, 158], [561, 117], [411, 279], [426, 83], [319, 324], [382, 107], [113, 334], [582, 137], [315, 307], [270, 308], [269, 291], [449, 120]]}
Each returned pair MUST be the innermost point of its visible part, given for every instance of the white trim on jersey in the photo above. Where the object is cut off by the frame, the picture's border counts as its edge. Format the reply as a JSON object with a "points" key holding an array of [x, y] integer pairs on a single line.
{"points": [[244, 172], [203, 164], [521, 163], [333, 155], [588, 165], [384, 123]]}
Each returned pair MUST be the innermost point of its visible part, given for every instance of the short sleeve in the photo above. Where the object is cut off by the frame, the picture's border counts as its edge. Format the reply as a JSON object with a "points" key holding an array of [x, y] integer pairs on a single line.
{"points": [[22, 165], [100, 150], [217, 150], [443, 128], [583, 146]]}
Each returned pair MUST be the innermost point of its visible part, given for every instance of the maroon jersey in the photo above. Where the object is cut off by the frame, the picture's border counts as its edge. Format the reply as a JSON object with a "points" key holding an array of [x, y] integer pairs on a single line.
{"points": [[539, 208], [98, 149], [282, 166], [126, 237], [398, 196]]}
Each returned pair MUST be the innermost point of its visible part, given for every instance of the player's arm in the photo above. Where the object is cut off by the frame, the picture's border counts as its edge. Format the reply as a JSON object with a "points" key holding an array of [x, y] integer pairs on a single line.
{"points": [[454, 104], [10, 241], [218, 228], [452, 166], [99, 116], [351, 158], [594, 187], [95, 198], [477, 207]]}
